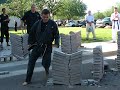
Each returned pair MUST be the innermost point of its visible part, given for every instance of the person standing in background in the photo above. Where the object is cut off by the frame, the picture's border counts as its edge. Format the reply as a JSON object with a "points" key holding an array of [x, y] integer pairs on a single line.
{"points": [[4, 19], [90, 27], [115, 18], [30, 17]]}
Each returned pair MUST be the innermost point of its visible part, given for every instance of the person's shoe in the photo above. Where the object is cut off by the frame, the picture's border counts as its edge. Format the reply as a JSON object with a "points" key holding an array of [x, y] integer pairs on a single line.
{"points": [[8, 44], [113, 41], [25, 83], [47, 71], [81, 46]]}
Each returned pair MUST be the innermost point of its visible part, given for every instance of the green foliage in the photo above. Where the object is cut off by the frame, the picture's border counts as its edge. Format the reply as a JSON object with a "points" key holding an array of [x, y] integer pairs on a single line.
{"points": [[99, 15], [106, 13], [18, 7], [54, 6], [72, 8], [59, 8]]}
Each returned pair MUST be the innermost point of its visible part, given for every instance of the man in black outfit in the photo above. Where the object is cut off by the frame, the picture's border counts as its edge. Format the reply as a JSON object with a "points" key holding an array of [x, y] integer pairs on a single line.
{"points": [[30, 17], [4, 19], [43, 33]]}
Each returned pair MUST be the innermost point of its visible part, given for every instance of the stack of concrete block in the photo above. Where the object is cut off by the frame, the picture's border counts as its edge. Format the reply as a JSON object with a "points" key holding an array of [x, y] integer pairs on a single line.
{"points": [[19, 45], [70, 43], [60, 69], [98, 63], [66, 68], [65, 44], [118, 52], [75, 68], [77, 37]]}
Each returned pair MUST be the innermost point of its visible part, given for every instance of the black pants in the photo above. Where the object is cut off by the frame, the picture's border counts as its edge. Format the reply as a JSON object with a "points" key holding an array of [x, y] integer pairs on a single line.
{"points": [[35, 54], [28, 29], [4, 31]]}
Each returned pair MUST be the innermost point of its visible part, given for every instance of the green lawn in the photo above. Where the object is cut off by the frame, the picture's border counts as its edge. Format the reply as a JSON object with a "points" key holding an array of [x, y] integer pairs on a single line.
{"points": [[101, 33]]}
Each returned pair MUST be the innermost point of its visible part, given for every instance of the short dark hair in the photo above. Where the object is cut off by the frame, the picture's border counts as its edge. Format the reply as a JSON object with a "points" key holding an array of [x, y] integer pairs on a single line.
{"points": [[33, 5], [3, 9], [45, 11], [115, 8]]}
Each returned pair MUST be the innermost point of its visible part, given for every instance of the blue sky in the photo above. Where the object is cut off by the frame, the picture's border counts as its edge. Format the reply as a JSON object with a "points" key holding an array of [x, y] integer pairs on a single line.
{"points": [[95, 5]]}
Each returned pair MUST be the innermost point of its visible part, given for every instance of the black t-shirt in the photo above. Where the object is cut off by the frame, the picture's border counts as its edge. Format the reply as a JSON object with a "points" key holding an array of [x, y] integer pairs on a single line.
{"points": [[43, 26], [2, 18], [30, 18]]}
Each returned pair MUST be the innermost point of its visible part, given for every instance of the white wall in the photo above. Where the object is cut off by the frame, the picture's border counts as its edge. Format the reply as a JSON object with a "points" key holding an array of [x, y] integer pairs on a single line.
{"points": [[12, 21]]}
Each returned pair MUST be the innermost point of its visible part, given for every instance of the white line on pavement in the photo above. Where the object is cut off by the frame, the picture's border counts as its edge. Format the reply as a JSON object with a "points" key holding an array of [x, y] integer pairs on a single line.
{"points": [[16, 63], [21, 72]]}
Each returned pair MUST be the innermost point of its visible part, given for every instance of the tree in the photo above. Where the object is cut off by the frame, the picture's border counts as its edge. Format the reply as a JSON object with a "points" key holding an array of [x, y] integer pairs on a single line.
{"points": [[108, 12], [53, 5], [99, 15], [72, 8], [59, 8], [18, 7]]}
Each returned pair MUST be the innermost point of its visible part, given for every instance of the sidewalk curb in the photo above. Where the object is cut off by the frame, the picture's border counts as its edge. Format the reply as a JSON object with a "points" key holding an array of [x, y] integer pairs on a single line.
{"points": [[105, 54]]}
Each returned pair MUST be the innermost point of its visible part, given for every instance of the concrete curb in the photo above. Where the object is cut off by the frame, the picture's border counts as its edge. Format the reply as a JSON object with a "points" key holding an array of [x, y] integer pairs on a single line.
{"points": [[89, 55]]}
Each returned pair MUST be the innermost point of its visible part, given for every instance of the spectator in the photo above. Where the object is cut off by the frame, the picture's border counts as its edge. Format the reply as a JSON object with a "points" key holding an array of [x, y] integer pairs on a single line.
{"points": [[4, 19], [115, 18], [90, 27], [30, 17]]}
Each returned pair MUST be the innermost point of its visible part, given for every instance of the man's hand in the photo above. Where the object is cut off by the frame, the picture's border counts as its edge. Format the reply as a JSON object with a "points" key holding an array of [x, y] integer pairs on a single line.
{"points": [[29, 45], [21, 25], [90, 23], [7, 20], [116, 17]]}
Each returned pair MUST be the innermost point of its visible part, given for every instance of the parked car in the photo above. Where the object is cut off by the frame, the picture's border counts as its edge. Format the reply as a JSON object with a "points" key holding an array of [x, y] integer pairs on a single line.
{"points": [[104, 22], [71, 24], [81, 23]]}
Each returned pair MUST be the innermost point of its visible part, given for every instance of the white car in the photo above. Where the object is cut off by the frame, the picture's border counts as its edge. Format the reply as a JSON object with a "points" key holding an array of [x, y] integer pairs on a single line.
{"points": [[71, 24]]}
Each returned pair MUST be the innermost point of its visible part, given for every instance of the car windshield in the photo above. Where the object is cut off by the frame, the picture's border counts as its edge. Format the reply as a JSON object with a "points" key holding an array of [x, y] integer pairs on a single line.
{"points": [[106, 19]]}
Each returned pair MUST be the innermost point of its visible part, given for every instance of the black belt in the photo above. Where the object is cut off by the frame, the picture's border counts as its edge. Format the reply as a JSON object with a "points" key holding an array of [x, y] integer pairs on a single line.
{"points": [[43, 44], [117, 24], [39, 45]]}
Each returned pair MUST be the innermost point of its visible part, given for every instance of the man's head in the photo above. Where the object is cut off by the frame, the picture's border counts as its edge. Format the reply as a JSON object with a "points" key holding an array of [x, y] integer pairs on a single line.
{"points": [[33, 8], [3, 10], [115, 10], [45, 15], [89, 12]]}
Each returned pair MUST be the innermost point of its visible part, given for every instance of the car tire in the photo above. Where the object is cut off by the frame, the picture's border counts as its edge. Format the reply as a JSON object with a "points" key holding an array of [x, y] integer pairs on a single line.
{"points": [[106, 24], [73, 25]]}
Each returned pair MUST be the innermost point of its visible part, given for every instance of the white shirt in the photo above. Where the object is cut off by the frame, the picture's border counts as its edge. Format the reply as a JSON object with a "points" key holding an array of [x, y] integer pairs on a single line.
{"points": [[115, 24], [89, 18], [113, 15]]}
